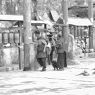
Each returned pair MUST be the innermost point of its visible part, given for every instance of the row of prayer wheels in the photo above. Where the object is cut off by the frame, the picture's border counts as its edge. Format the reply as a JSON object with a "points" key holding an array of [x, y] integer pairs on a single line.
{"points": [[10, 37]]}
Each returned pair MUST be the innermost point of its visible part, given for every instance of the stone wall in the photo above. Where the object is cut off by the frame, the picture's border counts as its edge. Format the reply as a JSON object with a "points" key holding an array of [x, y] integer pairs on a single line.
{"points": [[9, 57]]}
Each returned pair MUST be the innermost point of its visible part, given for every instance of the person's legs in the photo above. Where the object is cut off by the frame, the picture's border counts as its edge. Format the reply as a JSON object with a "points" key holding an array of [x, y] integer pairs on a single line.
{"points": [[44, 64], [48, 58], [58, 61], [65, 59], [51, 54], [62, 61], [40, 61]]}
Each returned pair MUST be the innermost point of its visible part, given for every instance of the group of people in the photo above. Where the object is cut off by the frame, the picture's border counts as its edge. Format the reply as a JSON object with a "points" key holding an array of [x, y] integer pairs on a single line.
{"points": [[46, 48]]}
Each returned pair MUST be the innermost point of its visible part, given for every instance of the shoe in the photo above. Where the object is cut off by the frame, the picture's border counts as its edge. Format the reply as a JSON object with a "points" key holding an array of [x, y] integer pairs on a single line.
{"points": [[43, 69]]}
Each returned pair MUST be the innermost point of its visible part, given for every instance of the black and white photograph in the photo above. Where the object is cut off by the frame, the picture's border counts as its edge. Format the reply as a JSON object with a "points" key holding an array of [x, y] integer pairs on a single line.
{"points": [[47, 47]]}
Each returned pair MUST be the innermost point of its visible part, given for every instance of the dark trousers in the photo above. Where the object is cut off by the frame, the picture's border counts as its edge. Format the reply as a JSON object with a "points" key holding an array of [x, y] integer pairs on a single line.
{"points": [[61, 60], [42, 62], [65, 59], [48, 59]]}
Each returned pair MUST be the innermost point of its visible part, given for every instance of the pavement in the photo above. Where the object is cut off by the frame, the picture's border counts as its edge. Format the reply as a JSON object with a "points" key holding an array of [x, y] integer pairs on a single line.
{"points": [[71, 81]]}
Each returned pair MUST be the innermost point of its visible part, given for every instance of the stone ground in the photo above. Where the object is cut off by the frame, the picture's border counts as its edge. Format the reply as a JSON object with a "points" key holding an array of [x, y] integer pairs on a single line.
{"points": [[71, 81]]}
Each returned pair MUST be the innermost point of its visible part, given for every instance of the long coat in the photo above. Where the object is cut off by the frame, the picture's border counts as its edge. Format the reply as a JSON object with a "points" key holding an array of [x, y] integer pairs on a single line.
{"points": [[41, 52], [60, 45]]}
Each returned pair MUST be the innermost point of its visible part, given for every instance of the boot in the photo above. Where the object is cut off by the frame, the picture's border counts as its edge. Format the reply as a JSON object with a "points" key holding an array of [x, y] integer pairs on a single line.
{"points": [[43, 69]]}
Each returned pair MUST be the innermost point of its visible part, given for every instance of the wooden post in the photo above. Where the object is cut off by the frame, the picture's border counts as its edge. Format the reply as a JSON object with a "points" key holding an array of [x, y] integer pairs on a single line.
{"points": [[21, 52], [29, 53], [74, 31], [90, 16], [65, 22]]}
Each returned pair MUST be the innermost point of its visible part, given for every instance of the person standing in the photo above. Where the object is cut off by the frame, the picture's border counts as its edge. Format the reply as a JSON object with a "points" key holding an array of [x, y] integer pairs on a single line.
{"points": [[41, 51], [48, 50], [52, 46], [60, 51]]}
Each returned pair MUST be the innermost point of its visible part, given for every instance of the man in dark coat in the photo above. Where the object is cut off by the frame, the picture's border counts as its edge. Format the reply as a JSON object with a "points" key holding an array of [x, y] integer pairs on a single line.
{"points": [[41, 52]]}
